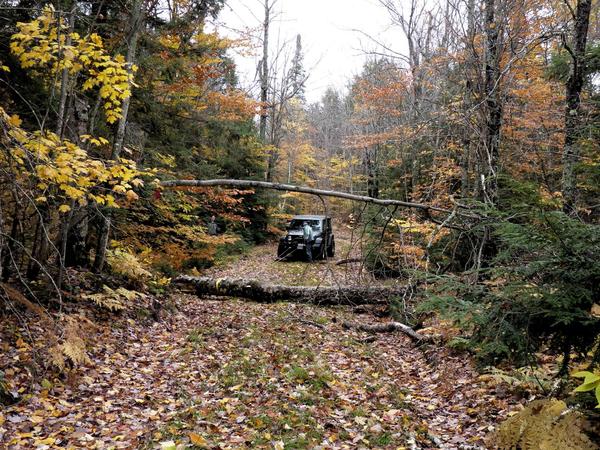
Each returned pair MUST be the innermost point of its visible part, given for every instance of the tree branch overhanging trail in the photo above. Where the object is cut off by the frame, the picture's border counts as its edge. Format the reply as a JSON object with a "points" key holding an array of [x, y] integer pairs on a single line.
{"points": [[314, 191]]}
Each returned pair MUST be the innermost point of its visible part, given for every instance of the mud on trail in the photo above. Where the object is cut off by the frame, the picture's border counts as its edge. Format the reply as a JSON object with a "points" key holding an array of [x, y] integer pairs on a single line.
{"points": [[235, 375]]}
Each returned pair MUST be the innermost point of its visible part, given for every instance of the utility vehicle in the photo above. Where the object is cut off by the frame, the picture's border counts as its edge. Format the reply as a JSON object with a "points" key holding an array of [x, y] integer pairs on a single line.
{"points": [[292, 243]]}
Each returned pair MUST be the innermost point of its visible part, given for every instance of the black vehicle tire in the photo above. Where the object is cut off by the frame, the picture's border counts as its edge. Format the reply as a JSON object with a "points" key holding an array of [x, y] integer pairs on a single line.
{"points": [[331, 249], [322, 251]]}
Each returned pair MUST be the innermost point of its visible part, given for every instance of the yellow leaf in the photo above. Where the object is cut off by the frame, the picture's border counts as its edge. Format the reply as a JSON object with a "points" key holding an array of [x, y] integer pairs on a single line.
{"points": [[15, 120], [41, 199], [131, 196], [64, 208], [47, 441], [198, 440]]}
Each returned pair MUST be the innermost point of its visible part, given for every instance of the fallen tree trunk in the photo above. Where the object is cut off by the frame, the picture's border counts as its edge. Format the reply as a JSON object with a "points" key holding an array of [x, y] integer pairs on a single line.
{"points": [[389, 327], [341, 262], [268, 293], [318, 192]]}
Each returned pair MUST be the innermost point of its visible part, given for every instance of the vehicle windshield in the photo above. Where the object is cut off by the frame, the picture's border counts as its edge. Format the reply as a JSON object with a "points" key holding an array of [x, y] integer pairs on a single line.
{"points": [[297, 224]]}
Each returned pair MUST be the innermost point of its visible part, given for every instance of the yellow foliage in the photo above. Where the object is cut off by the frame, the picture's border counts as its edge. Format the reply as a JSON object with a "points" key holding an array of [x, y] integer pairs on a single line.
{"points": [[125, 263], [545, 424], [113, 300], [73, 346], [45, 44], [59, 168]]}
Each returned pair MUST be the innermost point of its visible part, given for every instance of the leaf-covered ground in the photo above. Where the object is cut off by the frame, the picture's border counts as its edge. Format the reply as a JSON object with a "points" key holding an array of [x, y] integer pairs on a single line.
{"points": [[231, 374], [228, 374]]}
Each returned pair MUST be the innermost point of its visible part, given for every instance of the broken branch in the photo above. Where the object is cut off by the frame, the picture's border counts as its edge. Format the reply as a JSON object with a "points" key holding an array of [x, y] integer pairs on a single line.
{"points": [[389, 327], [313, 191]]}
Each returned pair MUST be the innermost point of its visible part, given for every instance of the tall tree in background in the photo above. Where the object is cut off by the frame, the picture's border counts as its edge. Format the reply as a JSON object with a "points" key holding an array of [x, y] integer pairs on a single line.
{"points": [[576, 47], [297, 71], [490, 154], [264, 70]]}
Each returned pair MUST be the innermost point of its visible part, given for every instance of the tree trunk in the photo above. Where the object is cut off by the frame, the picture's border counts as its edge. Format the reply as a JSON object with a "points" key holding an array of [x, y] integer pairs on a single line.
{"points": [[264, 75], [9, 260], [573, 103], [136, 25], [64, 84], [372, 175], [41, 247], [493, 110], [76, 253], [265, 293]]}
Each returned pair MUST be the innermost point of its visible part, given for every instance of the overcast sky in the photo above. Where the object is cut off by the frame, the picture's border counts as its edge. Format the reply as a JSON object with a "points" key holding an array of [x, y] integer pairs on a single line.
{"points": [[333, 50]]}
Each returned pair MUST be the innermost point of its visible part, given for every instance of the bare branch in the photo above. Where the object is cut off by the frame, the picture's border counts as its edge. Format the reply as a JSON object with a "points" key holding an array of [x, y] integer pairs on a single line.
{"points": [[313, 191]]}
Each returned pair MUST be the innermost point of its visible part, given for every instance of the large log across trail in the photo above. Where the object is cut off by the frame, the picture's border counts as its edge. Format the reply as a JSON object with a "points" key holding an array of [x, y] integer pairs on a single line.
{"points": [[269, 293]]}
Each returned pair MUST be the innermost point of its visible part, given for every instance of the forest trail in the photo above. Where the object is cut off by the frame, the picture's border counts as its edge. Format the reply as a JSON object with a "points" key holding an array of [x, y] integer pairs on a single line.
{"points": [[229, 374], [261, 263]]}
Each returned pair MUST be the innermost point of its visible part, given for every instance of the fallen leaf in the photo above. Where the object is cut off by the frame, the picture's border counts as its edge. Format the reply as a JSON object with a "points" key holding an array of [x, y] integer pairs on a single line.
{"points": [[168, 445], [198, 440]]}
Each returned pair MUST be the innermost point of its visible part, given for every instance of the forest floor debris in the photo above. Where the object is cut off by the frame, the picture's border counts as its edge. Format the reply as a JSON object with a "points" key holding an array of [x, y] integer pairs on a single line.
{"points": [[240, 375], [232, 375]]}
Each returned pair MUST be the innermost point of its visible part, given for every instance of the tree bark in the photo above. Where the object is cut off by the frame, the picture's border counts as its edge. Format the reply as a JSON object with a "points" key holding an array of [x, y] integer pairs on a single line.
{"points": [[313, 191], [136, 25], [266, 293], [64, 84], [388, 327], [573, 105], [493, 110], [341, 262], [264, 74]]}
